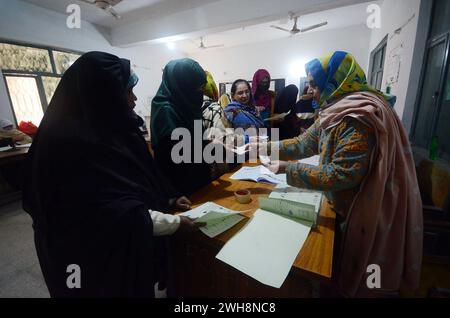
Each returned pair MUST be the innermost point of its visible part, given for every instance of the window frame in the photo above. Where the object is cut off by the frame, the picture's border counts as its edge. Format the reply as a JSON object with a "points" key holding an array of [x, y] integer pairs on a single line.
{"points": [[381, 47], [36, 74], [432, 41]]}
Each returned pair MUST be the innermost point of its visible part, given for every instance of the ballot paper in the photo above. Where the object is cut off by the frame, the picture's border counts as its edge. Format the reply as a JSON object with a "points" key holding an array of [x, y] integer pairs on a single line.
{"points": [[240, 150], [205, 208], [218, 219], [258, 174], [266, 247], [277, 117], [285, 192], [218, 222]]}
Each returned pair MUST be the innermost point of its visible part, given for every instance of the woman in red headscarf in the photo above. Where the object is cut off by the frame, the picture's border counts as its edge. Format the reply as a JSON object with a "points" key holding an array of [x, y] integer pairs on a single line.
{"points": [[264, 97]]}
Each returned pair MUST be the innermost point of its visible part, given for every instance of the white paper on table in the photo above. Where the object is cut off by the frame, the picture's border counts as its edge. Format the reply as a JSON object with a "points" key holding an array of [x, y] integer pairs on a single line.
{"points": [[285, 192], [205, 208], [23, 146], [313, 161], [218, 222], [6, 148], [266, 247]]}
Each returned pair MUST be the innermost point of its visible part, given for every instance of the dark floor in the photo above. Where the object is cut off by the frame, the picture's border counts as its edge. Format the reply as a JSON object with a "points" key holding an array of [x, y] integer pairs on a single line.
{"points": [[20, 273]]}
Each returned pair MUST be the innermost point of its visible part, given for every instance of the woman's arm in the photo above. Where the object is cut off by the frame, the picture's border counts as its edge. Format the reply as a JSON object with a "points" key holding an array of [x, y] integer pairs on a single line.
{"points": [[348, 167], [303, 146]]}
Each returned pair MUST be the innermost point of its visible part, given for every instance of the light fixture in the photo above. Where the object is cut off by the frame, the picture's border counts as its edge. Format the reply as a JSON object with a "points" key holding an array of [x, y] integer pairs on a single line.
{"points": [[171, 46]]}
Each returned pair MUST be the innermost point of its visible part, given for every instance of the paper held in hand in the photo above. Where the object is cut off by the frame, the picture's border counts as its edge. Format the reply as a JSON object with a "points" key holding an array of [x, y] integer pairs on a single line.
{"points": [[277, 117], [218, 219]]}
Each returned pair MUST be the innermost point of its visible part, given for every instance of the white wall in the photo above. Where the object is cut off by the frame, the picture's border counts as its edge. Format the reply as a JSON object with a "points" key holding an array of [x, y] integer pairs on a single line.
{"points": [[394, 14], [284, 58], [24, 22]]}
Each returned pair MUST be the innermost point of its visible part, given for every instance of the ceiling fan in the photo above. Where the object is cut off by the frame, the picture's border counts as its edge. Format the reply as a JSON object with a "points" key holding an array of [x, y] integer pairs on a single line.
{"points": [[295, 30], [203, 47], [107, 6]]}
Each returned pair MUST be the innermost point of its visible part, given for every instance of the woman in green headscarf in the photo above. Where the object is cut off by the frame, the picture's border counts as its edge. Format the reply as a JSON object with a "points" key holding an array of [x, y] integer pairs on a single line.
{"points": [[366, 172], [178, 104]]}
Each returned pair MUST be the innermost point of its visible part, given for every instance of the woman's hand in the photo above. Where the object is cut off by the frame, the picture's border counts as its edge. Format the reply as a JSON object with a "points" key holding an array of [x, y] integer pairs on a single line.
{"points": [[277, 167], [306, 97], [187, 225], [260, 109], [182, 203], [257, 147]]}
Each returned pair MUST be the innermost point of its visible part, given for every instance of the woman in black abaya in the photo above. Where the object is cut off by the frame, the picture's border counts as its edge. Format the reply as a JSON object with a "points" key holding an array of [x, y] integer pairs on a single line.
{"points": [[92, 188]]}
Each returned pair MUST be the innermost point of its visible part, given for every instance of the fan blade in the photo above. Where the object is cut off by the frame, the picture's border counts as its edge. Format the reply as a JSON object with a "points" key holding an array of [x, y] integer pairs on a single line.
{"points": [[114, 13], [280, 28], [314, 27]]}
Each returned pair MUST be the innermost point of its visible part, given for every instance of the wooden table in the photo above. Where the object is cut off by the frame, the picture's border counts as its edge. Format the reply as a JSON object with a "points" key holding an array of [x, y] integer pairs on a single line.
{"points": [[195, 272]]}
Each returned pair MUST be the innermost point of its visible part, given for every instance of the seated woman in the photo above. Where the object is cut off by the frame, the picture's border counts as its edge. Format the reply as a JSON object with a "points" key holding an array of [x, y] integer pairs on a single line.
{"points": [[367, 173], [93, 190], [178, 104], [240, 112]]}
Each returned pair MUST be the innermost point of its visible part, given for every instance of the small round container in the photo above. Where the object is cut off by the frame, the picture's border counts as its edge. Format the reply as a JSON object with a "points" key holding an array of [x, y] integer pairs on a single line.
{"points": [[243, 196]]}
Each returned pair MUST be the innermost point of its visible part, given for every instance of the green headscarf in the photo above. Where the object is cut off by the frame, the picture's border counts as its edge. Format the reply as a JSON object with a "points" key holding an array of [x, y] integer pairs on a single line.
{"points": [[179, 99]]}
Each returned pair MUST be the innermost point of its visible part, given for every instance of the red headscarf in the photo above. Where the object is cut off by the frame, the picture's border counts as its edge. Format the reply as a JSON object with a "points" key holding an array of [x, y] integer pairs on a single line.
{"points": [[264, 98]]}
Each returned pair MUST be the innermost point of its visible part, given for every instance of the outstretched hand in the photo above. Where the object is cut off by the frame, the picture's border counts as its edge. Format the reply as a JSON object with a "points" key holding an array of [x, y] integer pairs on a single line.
{"points": [[277, 167], [183, 203]]}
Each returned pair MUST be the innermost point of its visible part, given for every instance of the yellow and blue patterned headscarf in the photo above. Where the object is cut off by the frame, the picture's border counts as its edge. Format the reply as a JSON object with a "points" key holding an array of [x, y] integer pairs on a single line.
{"points": [[338, 74], [210, 89]]}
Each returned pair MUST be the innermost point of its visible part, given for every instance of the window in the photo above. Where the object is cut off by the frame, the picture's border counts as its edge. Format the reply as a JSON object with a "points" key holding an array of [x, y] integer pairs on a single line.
{"points": [[376, 67], [432, 110], [32, 75]]}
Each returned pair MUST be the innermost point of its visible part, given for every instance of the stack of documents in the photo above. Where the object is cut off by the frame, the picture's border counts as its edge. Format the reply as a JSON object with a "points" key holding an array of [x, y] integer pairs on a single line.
{"points": [[258, 174], [285, 192], [217, 218]]}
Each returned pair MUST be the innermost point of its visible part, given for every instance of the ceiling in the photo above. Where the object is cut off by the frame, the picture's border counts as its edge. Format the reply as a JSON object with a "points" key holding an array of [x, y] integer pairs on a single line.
{"points": [[337, 18], [221, 22], [130, 10]]}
